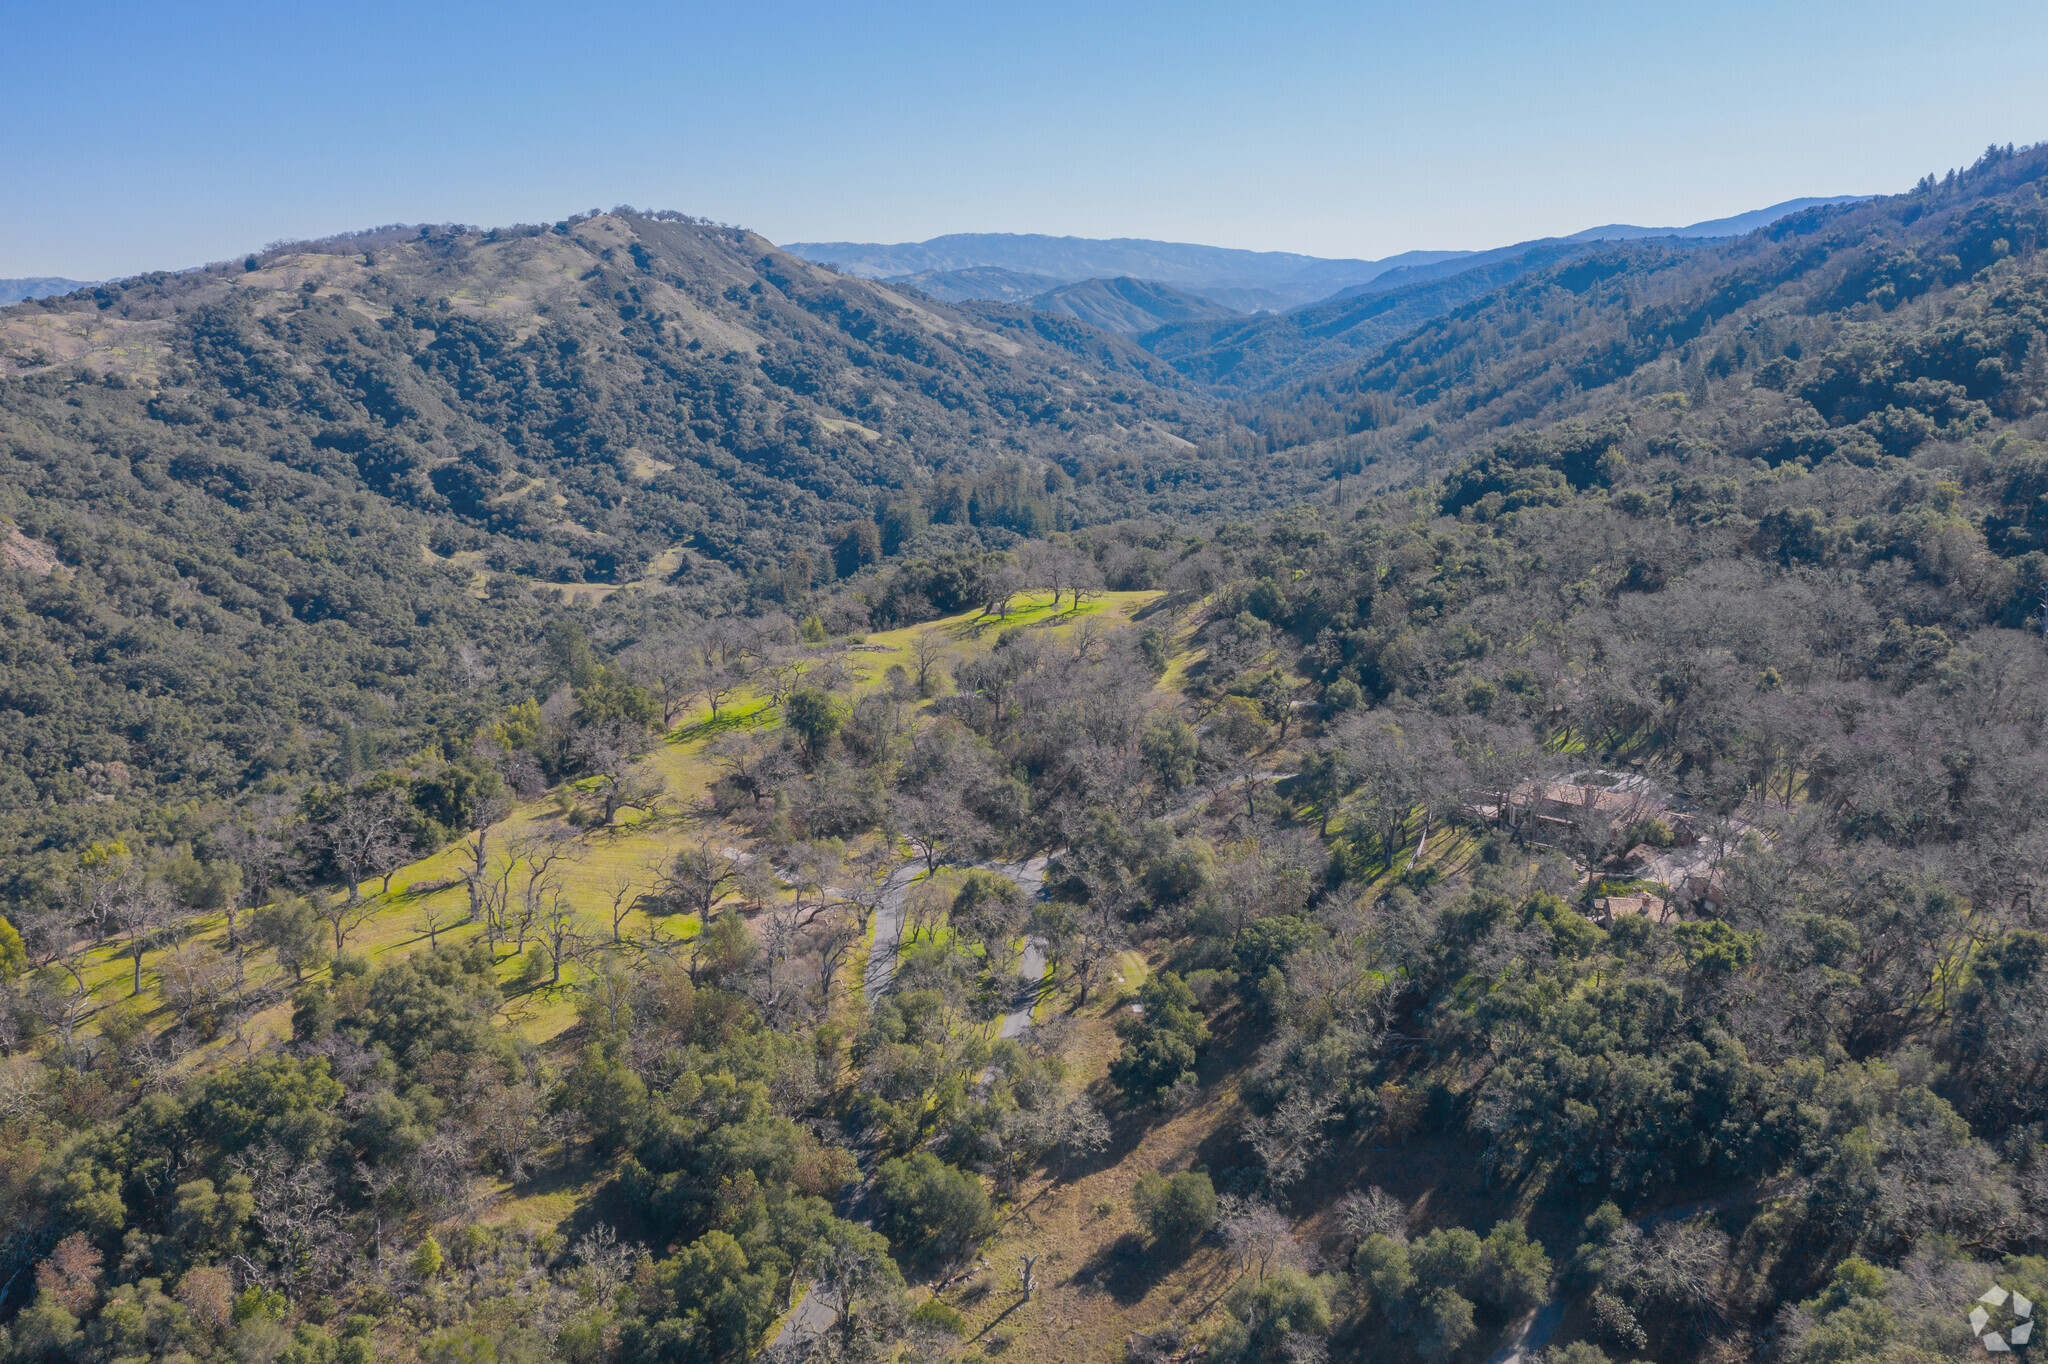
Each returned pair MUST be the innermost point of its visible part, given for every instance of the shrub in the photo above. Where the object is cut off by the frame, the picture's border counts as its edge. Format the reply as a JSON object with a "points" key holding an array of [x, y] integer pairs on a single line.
{"points": [[1177, 1210], [810, 716], [1156, 651], [929, 1208], [1578, 1352], [1271, 1316], [1160, 1040], [1448, 1255], [1169, 747], [1651, 830], [13, 956], [1514, 1271], [1444, 1325], [940, 1316]]}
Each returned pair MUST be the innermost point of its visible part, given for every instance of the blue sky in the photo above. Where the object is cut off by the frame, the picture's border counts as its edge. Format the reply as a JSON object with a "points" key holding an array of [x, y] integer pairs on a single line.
{"points": [[141, 136]]}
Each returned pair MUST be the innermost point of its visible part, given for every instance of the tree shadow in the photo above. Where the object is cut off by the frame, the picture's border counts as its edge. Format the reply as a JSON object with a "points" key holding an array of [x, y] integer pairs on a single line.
{"points": [[1167, 602], [1127, 1129], [997, 1320], [731, 719], [1125, 1269]]}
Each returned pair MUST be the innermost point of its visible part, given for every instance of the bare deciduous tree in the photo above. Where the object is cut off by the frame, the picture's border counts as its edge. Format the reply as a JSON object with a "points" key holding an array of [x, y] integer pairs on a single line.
{"points": [[936, 824], [365, 835], [622, 896], [342, 916], [609, 754], [698, 879], [927, 647], [832, 938], [1369, 1212], [544, 860], [752, 765], [476, 850], [604, 1262], [265, 856], [558, 932], [1256, 1234], [295, 1207], [148, 911], [101, 886], [672, 669], [1001, 581], [924, 908], [1288, 1138], [432, 919]]}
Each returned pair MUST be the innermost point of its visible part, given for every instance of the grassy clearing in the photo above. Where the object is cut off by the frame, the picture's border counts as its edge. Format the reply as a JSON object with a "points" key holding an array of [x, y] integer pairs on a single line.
{"points": [[636, 848]]}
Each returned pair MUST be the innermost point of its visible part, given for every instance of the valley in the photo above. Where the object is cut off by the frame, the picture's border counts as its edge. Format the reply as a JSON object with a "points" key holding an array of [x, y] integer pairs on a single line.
{"points": [[608, 790]]}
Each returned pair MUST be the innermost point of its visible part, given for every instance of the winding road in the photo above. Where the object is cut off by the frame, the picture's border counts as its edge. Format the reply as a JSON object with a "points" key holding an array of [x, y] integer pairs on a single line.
{"points": [[810, 1317], [1030, 878]]}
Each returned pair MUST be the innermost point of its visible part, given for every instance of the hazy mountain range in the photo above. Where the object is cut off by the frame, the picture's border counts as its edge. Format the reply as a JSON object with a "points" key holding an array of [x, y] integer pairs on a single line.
{"points": [[41, 286], [953, 267]]}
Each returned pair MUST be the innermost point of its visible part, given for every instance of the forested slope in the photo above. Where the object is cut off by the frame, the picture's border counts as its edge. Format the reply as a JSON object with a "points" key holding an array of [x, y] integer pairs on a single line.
{"points": [[1878, 323], [1240, 357], [260, 513]]}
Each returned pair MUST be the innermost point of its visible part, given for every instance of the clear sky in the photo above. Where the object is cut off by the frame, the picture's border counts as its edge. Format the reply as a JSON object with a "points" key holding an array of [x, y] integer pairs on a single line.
{"points": [[141, 136]]}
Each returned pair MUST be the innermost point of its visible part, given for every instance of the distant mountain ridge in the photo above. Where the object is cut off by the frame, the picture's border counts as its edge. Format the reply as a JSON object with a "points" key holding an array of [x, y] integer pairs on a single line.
{"points": [[1129, 306], [1245, 281], [1738, 225], [1238, 279], [1246, 355], [39, 286], [980, 284]]}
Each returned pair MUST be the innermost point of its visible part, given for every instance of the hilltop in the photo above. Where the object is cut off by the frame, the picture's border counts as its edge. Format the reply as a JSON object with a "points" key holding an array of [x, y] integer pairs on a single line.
{"points": [[985, 283], [596, 393]]}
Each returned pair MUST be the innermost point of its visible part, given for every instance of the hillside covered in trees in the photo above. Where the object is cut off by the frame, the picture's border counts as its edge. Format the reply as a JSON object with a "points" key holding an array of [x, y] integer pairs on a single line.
{"points": [[956, 892], [1898, 283]]}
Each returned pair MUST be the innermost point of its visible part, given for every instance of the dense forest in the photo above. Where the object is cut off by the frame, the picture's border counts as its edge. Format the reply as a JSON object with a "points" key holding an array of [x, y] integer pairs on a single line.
{"points": [[528, 839]]}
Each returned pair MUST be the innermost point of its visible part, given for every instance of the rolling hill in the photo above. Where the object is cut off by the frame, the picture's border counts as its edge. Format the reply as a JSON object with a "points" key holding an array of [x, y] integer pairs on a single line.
{"points": [[1242, 280], [325, 475], [592, 395], [1123, 305]]}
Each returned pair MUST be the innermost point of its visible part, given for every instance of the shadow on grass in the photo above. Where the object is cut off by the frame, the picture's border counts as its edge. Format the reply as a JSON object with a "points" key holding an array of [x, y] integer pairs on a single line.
{"points": [[1126, 1269], [1170, 601], [1038, 615], [997, 1320], [734, 718]]}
